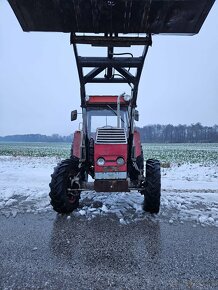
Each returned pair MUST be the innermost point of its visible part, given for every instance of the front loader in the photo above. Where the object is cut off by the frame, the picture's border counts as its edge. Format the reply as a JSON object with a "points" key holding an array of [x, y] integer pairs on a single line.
{"points": [[108, 147]]}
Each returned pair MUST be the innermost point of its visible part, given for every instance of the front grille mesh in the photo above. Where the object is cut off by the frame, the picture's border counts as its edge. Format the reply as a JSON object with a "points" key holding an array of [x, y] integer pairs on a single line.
{"points": [[111, 136]]}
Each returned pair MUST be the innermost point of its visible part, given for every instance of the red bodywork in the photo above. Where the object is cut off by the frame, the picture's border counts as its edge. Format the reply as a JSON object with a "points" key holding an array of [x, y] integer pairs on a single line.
{"points": [[77, 141], [137, 143], [110, 152]]}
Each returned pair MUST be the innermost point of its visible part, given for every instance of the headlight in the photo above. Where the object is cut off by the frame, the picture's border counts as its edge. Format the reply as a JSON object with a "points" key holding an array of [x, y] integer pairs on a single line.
{"points": [[100, 161], [120, 161]]}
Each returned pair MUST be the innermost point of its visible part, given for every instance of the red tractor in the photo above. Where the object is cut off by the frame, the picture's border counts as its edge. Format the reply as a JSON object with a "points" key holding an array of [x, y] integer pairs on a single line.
{"points": [[109, 150], [108, 147]]}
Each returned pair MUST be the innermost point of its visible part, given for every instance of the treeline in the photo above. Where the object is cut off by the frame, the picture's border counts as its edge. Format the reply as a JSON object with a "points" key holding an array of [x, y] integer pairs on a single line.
{"points": [[36, 138], [194, 133]]}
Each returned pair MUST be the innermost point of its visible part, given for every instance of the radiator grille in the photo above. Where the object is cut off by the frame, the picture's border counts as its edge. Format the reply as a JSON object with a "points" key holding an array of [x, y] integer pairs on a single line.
{"points": [[111, 136]]}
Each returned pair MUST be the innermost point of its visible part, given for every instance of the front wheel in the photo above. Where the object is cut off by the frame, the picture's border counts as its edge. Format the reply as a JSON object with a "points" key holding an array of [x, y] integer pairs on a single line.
{"points": [[62, 198], [152, 191]]}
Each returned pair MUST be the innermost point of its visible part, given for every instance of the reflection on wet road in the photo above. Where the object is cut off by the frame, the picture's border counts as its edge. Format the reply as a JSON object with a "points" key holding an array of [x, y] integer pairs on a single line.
{"points": [[49, 251]]}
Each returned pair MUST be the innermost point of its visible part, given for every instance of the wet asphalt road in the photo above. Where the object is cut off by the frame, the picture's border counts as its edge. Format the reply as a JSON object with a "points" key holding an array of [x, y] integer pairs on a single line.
{"points": [[46, 251]]}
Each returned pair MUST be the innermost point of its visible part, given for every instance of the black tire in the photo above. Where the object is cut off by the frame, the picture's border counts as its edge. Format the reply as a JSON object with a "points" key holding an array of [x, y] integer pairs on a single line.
{"points": [[61, 200], [152, 190], [71, 151]]}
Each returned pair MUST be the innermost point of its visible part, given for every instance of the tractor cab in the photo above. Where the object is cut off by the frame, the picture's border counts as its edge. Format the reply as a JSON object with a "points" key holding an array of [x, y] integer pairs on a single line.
{"points": [[107, 112]]}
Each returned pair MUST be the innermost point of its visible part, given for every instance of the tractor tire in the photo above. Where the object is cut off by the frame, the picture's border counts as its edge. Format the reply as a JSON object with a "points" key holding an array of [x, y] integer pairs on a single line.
{"points": [[71, 150], [61, 200], [152, 190]]}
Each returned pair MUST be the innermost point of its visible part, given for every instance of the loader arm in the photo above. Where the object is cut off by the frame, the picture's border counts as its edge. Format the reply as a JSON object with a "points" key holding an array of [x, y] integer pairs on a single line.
{"points": [[112, 23], [114, 65]]}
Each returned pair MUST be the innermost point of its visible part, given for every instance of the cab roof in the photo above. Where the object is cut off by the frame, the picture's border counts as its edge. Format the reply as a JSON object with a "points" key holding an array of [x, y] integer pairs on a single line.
{"points": [[104, 100]]}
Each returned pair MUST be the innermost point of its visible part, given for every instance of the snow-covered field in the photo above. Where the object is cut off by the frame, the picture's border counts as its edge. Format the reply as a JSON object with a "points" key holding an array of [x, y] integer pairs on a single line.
{"points": [[189, 193]]}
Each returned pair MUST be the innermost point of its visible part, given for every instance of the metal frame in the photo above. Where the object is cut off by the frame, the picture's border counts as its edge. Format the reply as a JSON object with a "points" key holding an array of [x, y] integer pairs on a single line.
{"points": [[110, 62]]}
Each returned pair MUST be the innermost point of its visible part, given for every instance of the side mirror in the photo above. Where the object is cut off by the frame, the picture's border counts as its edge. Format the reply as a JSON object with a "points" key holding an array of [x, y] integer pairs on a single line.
{"points": [[74, 115], [136, 117]]}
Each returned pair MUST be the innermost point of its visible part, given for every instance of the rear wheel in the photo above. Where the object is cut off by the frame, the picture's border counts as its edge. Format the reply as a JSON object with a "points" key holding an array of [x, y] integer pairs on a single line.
{"points": [[152, 190], [63, 180]]}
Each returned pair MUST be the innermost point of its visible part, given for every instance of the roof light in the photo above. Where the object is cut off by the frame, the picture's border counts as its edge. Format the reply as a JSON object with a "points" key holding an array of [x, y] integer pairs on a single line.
{"points": [[127, 98]]}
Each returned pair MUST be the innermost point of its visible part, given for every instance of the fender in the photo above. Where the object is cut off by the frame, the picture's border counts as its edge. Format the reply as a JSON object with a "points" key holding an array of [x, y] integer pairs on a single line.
{"points": [[77, 144], [136, 144]]}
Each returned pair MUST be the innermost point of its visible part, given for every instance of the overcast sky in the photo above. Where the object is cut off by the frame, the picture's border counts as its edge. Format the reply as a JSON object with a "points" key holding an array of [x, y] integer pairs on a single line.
{"points": [[39, 82]]}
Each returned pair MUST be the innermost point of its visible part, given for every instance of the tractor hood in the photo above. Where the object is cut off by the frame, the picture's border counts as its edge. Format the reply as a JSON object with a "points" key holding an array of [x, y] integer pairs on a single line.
{"points": [[112, 16]]}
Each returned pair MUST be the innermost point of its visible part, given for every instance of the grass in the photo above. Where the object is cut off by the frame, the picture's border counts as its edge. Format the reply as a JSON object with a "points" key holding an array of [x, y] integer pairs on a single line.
{"points": [[182, 153], [166, 153]]}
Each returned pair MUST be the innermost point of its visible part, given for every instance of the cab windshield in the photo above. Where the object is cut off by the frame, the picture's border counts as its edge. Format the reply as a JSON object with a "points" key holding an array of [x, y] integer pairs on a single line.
{"points": [[105, 117]]}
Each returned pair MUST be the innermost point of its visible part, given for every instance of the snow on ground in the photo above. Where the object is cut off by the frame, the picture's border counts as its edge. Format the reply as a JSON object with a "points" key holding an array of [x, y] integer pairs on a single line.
{"points": [[189, 193]]}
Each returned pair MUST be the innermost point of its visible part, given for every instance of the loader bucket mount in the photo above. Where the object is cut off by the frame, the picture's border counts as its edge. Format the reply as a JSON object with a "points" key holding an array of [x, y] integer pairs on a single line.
{"points": [[117, 69], [112, 16]]}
